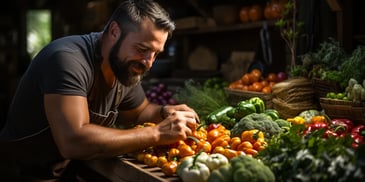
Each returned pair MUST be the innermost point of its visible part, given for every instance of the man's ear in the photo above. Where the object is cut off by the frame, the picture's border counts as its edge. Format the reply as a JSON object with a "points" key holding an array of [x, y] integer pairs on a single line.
{"points": [[114, 30]]}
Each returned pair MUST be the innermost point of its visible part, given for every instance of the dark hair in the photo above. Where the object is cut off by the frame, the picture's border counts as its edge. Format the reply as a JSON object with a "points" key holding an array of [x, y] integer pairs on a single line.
{"points": [[131, 13]]}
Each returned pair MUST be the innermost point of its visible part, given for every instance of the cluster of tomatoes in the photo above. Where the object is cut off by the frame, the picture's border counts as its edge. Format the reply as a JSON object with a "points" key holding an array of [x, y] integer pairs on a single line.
{"points": [[213, 139], [255, 81], [272, 10]]}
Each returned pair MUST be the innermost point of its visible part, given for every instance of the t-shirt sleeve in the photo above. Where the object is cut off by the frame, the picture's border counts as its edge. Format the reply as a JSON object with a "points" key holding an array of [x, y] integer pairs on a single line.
{"points": [[66, 73], [134, 97]]}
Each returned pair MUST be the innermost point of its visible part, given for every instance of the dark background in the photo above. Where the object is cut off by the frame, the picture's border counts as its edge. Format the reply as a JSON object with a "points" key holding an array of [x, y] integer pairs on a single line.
{"points": [[75, 17]]}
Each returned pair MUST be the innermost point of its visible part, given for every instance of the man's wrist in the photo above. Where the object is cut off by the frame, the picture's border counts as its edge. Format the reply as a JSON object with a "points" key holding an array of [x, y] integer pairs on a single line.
{"points": [[162, 112]]}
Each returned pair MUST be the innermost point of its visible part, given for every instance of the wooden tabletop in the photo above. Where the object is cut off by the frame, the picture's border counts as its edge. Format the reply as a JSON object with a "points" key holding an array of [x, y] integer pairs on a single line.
{"points": [[128, 169]]}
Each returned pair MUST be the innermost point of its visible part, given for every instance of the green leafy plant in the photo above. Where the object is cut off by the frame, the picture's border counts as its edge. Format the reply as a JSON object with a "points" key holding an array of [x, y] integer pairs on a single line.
{"points": [[290, 28], [203, 100], [294, 157], [354, 66]]}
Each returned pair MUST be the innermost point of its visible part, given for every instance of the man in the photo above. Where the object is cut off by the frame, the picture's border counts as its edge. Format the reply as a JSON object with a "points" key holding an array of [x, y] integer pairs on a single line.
{"points": [[78, 87]]}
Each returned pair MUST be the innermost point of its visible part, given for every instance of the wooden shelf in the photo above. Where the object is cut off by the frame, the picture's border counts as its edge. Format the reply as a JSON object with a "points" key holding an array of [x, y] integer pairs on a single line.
{"points": [[217, 29]]}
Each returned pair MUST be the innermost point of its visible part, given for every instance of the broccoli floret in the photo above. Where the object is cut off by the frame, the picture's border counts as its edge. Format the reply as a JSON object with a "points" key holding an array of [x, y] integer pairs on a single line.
{"points": [[259, 121], [247, 168], [283, 123]]}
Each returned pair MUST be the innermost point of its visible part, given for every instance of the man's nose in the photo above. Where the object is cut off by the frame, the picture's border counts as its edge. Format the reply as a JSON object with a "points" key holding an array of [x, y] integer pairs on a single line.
{"points": [[149, 58]]}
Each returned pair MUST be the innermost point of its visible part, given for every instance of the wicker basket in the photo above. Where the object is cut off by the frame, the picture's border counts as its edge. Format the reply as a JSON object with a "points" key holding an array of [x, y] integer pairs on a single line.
{"points": [[290, 110], [322, 87], [235, 96], [343, 109]]}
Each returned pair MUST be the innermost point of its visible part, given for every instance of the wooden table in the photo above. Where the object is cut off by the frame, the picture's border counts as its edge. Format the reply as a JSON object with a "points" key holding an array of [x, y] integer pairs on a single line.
{"points": [[128, 169]]}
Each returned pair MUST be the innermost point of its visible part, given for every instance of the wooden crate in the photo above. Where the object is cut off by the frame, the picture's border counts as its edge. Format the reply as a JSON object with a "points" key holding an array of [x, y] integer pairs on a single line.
{"points": [[125, 168], [235, 96]]}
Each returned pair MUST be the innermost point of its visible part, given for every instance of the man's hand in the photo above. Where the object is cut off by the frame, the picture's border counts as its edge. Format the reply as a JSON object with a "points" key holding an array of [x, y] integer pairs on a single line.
{"points": [[169, 109], [177, 125]]}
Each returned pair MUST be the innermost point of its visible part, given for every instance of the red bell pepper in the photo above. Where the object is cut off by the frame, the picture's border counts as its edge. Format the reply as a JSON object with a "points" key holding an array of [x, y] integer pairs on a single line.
{"points": [[330, 133], [341, 126], [315, 126], [357, 135]]}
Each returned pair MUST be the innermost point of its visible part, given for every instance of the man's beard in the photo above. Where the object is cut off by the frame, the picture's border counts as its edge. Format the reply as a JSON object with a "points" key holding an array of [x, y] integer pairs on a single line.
{"points": [[122, 68]]}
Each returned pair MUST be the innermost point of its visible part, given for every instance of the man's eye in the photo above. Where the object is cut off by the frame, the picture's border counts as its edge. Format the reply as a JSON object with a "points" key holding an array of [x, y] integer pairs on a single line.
{"points": [[142, 50]]}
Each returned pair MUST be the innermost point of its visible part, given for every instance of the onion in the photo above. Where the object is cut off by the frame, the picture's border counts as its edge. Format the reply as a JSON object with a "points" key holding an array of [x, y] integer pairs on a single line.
{"points": [[159, 94], [281, 76]]}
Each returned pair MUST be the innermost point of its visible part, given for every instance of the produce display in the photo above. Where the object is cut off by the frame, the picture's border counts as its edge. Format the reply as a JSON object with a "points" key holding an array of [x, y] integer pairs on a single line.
{"points": [[248, 142]]}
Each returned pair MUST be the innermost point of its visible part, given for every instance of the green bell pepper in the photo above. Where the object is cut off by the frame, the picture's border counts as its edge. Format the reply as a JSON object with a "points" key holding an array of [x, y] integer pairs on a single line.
{"points": [[259, 104], [274, 114], [215, 116], [243, 109], [227, 121]]}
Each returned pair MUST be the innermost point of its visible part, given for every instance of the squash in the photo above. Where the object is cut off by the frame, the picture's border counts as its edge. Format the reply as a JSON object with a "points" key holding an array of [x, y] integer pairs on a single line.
{"points": [[309, 114]]}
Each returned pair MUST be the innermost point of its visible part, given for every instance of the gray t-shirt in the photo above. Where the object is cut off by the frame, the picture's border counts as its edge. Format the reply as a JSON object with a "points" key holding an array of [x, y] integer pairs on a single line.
{"points": [[66, 66]]}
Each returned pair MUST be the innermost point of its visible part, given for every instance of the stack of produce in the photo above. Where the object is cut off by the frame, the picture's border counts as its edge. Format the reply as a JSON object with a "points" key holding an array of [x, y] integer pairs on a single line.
{"points": [[292, 96]]}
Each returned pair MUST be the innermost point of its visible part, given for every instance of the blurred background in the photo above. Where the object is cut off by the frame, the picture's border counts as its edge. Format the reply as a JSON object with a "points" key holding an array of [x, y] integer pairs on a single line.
{"points": [[213, 38]]}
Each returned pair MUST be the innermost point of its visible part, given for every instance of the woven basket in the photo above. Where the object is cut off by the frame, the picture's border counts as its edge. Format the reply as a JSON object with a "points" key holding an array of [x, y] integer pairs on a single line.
{"points": [[335, 108], [290, 110], [235, 96], [294, 90], [322, 87]]}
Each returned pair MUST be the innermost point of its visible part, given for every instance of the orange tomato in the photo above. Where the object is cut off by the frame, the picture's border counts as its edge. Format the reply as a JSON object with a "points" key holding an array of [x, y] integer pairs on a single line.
{"points": [[244, 17], [272, 84], [245, 79], [266, 90], [257, 86], [267, 11], [265, 83], [272, 77], [277, 9], [256, 72], [255, 13], [253, 78]]}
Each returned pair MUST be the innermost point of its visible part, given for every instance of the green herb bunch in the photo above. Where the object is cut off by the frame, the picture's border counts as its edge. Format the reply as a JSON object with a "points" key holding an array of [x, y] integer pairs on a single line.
{"points": [[202, 99]]}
